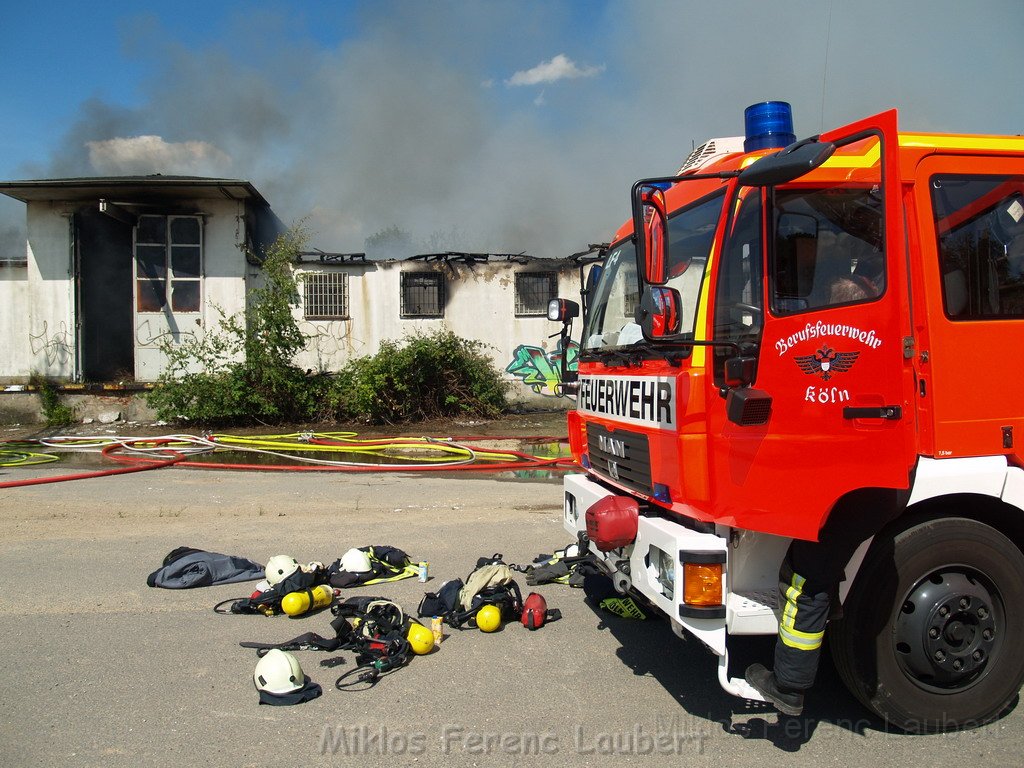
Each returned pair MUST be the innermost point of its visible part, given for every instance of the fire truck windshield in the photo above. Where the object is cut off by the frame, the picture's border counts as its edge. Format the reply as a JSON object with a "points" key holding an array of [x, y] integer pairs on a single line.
{"points": [[612, 315]]}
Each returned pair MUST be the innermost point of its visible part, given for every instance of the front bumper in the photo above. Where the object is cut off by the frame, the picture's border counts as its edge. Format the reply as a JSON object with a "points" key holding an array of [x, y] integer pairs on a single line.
{"points": [[653, 565]]}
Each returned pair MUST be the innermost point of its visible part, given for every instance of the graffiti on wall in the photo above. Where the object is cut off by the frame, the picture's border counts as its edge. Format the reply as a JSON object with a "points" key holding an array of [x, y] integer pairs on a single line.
{"points": [[329, 340], [540, 370], [56, 346], [156, 334]]}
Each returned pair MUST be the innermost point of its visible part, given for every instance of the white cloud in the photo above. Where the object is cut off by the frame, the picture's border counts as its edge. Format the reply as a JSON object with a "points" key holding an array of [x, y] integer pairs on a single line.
{"points": [[135, 155], [561, 67]]}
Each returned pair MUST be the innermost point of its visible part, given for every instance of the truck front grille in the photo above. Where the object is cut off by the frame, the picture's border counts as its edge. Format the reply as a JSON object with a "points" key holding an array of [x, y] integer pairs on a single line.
{"points": [[621, 455]]}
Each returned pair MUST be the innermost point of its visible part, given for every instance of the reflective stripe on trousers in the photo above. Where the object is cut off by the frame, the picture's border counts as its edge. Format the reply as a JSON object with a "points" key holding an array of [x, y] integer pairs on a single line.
{"points": [[801, 631], [788, 633]]}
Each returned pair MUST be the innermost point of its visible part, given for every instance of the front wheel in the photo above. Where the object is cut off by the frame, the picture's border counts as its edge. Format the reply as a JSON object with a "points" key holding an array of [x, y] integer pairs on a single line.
{"points": [[933, 629]]}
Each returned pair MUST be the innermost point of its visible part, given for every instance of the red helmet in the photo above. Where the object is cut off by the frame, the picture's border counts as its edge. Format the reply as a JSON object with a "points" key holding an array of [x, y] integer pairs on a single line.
{"points": [[535, 611]]}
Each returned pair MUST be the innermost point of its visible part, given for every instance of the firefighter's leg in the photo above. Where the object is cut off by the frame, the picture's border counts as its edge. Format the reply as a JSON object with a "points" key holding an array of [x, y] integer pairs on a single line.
{"points": [[806, 580], [801, 629]]}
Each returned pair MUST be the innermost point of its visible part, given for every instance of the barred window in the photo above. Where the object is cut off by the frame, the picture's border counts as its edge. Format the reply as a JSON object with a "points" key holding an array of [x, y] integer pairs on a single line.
{"points": [[422, 294], [534, 290], [325, 296]]}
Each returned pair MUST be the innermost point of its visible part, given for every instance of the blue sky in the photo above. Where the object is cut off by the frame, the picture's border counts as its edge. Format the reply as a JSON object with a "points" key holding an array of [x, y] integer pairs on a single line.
{"points": [[503, 125]]}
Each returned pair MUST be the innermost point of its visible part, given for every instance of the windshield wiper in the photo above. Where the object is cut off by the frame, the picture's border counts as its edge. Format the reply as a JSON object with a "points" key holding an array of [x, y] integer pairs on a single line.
{"points": [[674, 357], [614, 357], [632, 356]]}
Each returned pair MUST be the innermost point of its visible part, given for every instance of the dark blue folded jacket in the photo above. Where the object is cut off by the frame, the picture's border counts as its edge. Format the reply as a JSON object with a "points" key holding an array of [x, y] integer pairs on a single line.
{"points": [[186, 567]]}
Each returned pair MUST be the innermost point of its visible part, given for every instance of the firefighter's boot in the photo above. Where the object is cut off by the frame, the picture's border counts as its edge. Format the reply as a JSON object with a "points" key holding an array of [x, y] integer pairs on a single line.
{"points": [[786, 700]]}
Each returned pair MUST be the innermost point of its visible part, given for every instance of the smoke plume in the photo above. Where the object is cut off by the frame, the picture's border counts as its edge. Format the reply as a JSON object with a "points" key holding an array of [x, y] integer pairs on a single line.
{"points": [[514, 126]]}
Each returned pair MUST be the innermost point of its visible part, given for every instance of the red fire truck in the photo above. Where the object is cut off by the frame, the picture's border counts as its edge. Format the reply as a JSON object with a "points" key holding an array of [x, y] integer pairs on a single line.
{"points": [[782, 328]]}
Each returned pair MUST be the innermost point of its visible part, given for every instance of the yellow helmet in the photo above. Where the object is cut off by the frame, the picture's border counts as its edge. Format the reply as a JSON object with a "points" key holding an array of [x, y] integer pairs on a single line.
{"points": [[488, 618], [421, 639]]}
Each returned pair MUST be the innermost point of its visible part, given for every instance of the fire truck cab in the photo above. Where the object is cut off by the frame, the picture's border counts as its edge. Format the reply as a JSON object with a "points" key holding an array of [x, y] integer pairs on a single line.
{"points": [[784, 329]]}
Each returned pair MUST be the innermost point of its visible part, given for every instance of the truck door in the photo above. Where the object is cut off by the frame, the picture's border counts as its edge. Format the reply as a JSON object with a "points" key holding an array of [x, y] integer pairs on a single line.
{"points": [[811, 282], [971, 214]]}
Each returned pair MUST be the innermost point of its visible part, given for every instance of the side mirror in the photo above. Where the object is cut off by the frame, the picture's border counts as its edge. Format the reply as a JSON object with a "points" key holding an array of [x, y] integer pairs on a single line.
{"points": [[563, 310], [787, 164], [593, 278], [660, 312], [740, 371], [650, 231], [744, 405]]}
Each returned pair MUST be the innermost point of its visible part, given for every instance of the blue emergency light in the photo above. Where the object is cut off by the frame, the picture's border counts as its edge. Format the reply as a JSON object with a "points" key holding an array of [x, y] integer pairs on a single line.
{"points": [[769, 125]]}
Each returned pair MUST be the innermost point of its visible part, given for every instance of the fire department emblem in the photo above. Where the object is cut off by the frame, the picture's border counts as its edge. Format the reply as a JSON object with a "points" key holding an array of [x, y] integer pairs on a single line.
{"points": [[826, 362]]}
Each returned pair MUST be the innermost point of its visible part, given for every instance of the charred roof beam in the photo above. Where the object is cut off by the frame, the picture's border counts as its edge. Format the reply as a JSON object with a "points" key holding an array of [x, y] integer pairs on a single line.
{"points": [[115, 211]]}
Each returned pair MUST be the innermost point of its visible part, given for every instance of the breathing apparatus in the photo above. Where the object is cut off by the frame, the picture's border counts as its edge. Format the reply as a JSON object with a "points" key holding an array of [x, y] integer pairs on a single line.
{"points": [[380, 639], [309, 599]]}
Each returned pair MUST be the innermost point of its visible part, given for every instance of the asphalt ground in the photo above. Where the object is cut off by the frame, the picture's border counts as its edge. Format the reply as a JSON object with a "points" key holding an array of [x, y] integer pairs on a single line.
{"points": [[99, 669]]}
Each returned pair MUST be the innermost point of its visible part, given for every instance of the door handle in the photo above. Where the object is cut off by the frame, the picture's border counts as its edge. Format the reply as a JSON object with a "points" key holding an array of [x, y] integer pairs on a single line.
{"points": [[887, 412]]}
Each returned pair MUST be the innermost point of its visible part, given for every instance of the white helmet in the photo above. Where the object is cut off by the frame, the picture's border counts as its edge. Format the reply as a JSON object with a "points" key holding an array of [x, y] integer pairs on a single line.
{"points": [[356, 561], [278, 673], [280, 567]]}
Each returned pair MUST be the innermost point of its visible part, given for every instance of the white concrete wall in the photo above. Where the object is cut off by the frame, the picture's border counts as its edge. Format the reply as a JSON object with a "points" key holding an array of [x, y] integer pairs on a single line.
{"points": [[45, 323], [14, 349], [224, 267], [480, 306]]}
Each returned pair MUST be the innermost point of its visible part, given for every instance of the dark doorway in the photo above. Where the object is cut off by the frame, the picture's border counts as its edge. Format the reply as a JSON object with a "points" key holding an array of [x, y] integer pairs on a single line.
{"points": [[105, 294]]}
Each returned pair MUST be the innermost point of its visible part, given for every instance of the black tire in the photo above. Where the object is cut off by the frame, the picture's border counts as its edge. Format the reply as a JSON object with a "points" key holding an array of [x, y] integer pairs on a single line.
{"points": [[933, 630]]}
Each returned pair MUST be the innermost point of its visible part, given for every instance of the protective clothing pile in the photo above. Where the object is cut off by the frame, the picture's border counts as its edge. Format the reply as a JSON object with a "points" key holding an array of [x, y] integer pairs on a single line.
{"points": [[364, 566], [186, 567], [488, 597], [376, 629], [359, 566], [490, 584], [601, 592], [565, 566]]}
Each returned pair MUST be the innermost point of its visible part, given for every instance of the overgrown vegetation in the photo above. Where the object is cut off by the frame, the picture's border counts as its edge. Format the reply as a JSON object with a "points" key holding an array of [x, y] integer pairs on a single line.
{"points": [[56, 413], [208, 381], [426, 376]]}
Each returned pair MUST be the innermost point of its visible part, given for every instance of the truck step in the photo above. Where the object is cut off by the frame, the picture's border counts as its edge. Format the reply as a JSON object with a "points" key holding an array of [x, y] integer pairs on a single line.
{"points": [[753, 612]]}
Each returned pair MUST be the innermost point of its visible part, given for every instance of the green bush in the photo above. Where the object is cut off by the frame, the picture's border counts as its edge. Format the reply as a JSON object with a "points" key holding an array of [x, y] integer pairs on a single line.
{"points": [[55, 412], [427, 376]]}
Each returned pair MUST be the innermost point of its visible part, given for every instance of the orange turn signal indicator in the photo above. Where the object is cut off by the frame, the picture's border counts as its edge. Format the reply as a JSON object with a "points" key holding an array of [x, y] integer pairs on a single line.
{"points": [[702, 583]]}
